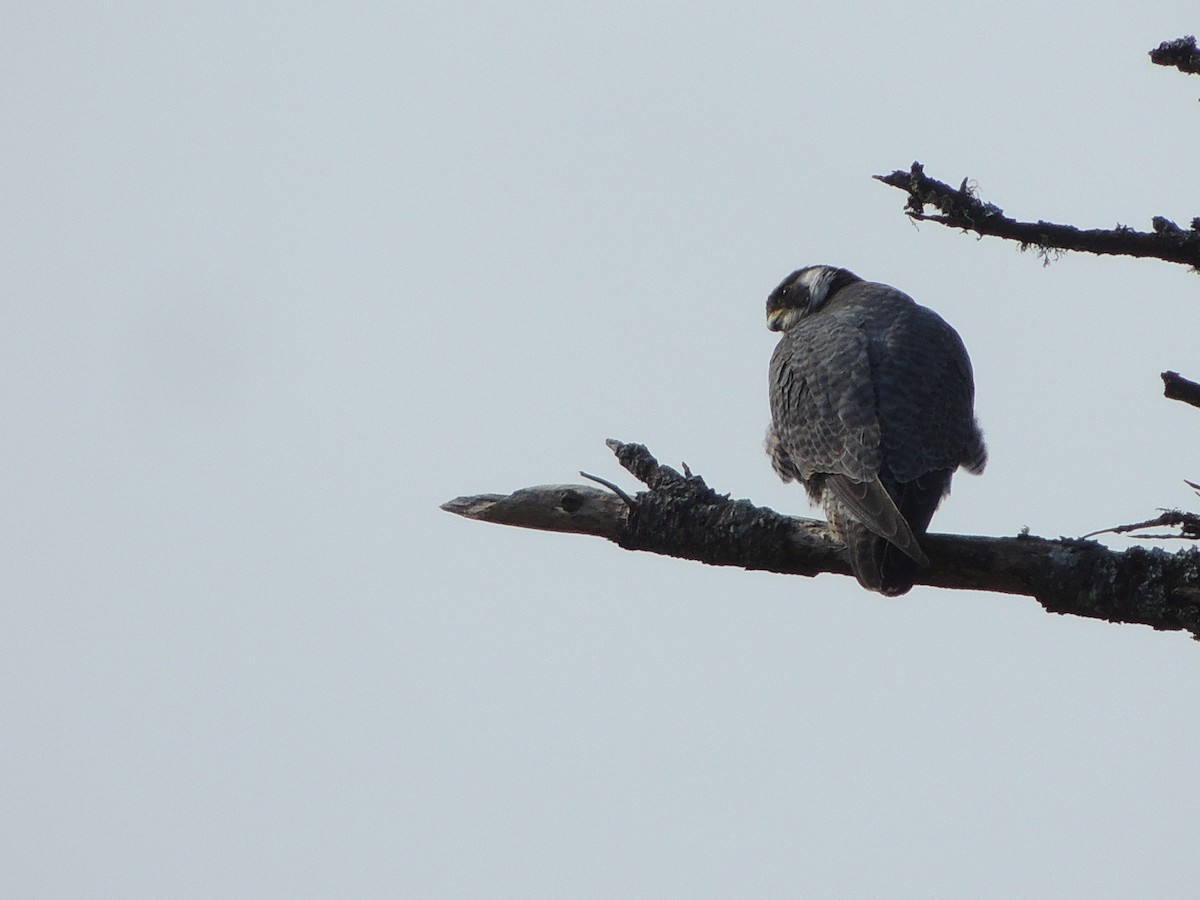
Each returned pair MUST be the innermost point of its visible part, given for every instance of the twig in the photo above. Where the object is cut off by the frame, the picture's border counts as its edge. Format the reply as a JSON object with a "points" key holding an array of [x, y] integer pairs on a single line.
{"points": [[1188, 523], [629, 501]]}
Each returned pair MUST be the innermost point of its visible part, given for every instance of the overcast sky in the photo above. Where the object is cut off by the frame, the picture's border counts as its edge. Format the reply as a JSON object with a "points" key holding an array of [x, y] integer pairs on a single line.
{"points": [[279, 279]]}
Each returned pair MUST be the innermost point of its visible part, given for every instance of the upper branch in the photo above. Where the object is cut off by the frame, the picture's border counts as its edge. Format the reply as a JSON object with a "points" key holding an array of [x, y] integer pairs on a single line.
{"points": [[1181, 53], [961, 208], [681, 516], [1176, 387]]}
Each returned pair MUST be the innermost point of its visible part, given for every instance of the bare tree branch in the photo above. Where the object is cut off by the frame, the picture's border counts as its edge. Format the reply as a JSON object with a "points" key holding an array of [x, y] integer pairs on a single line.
{"points": [[961, 208], [1181, 53], [681, 516], [1176, 387]]}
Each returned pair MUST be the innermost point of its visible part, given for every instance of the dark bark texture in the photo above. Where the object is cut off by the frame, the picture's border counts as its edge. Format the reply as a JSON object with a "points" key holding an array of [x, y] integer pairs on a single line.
{"points": [[679, 515], [961, 208], [1181, 53], [1176, 387]]}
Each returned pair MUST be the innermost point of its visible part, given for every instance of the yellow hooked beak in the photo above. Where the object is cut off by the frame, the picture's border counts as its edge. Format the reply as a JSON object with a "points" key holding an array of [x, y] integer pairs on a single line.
{"points": [[779, 319]]}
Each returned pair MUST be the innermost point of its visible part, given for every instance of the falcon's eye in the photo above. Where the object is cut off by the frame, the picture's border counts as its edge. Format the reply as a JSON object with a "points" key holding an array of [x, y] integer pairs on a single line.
{"points": [[793, 296]]}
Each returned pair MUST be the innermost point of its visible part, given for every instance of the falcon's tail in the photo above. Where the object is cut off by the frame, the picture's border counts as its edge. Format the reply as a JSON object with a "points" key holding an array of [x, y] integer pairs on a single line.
{"points": [[871, 504], [883, 526], [879, 565]]}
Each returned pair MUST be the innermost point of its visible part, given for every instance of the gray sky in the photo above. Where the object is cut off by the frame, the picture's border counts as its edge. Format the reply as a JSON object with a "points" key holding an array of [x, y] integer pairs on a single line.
{"points": [[280, 279]]}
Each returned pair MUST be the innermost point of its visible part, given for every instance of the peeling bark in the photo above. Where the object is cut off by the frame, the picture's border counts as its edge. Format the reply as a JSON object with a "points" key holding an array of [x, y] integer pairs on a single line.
{"points": [[679, 515]]}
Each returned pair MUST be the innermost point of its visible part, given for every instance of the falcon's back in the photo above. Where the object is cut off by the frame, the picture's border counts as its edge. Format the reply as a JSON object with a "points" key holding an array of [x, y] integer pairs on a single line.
{"points": [[872, 402]]}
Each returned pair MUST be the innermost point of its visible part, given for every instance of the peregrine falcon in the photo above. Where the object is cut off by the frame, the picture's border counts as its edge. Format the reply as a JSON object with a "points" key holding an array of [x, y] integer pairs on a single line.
{"points": [[872, 408]]}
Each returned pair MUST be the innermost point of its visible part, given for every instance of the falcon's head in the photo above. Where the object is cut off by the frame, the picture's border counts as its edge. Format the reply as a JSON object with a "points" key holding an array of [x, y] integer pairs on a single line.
{"points": [[803, 293]]}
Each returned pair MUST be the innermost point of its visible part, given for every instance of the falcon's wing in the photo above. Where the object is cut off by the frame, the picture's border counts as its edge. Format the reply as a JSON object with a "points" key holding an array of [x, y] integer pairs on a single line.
{"points": [[825, 423], [871, 505], [926, 396], [823, 401]]}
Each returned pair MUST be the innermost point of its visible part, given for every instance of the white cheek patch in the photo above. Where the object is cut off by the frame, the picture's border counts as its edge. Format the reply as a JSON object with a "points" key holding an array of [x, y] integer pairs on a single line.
{"points": [[816, 282]]}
